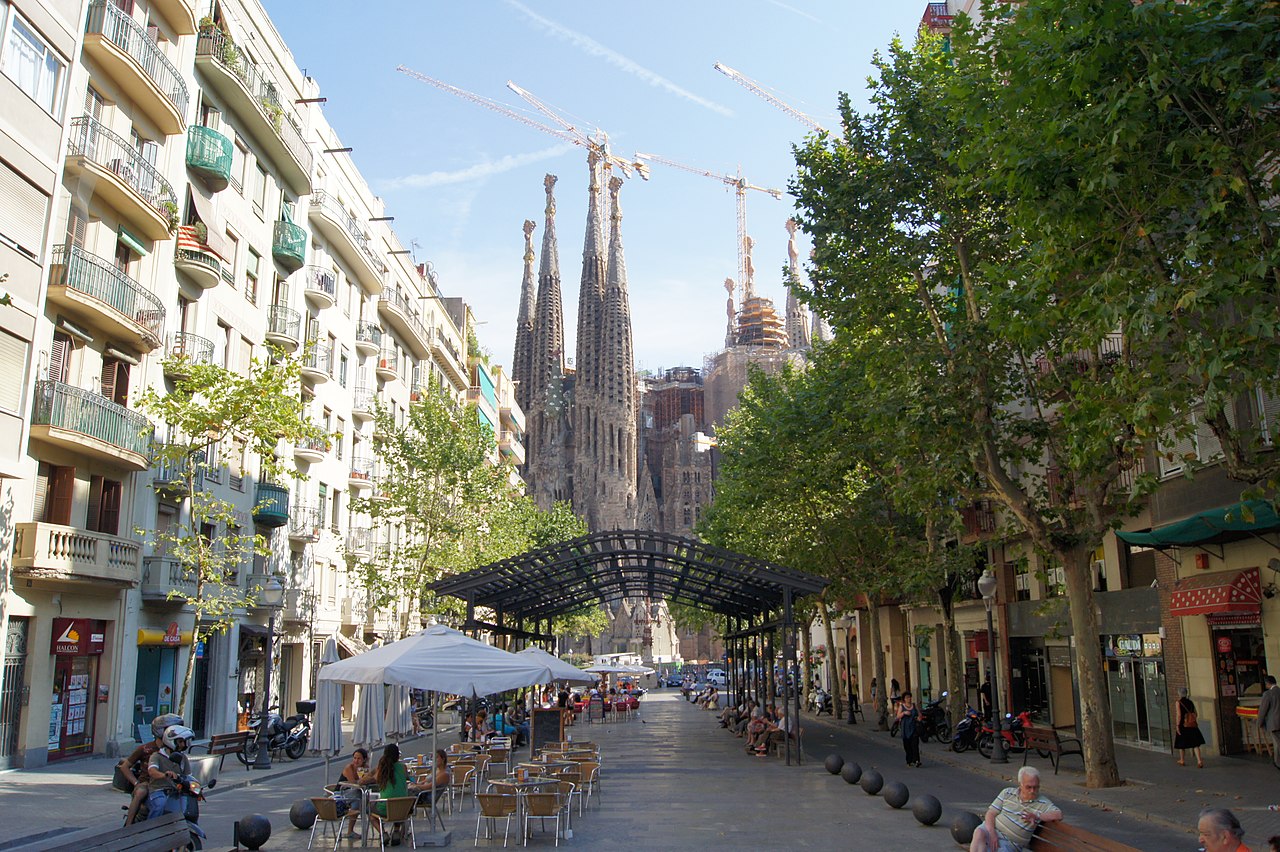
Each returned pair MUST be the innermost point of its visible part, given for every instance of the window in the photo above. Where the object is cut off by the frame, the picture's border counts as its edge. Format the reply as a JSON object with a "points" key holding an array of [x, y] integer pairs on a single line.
{"points": [[333, 348], [55, 486], [115, 380], [339, 437], [251, 276], [239, 159], [30, 63], [235, 463], [124, 257], [351, 291], [104, 505], [260, 190], [335, 514], [224, 340], [232, 255], [343, 364], [324, 501], [245, 358]]}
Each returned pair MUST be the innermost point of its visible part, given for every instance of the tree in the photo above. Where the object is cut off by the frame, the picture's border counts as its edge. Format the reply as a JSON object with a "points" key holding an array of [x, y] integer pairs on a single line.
{"points": [[1039, 385], [211, 407]]}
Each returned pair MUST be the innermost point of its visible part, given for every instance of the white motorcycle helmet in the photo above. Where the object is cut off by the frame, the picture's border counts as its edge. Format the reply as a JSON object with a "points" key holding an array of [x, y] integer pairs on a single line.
{"points": [[178, 738], [161, 723]]}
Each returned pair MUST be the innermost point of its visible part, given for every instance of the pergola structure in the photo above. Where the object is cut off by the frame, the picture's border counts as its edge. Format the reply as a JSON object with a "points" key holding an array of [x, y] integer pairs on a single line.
{"points": [[756, 596]]}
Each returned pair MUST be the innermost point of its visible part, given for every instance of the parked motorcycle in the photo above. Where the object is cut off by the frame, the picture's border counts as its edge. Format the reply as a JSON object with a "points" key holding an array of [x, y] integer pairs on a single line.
{"points": [[1015, 739], [426, 719], [933, 720], [967, 730], [820, 701], [289, 735]]}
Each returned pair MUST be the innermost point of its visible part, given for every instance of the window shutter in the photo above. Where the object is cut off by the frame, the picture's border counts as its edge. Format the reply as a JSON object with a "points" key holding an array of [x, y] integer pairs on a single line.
{"points": [[13, 361], [58, 353], [22, 215], [93, 518], [77, 226], [41, 503], [108, 381], [61, 488], [110, 511], [1269, 409]]}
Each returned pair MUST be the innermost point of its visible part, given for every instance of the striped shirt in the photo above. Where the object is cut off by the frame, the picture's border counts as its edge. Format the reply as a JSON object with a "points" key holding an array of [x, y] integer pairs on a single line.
{"points": [[1010, 822]]}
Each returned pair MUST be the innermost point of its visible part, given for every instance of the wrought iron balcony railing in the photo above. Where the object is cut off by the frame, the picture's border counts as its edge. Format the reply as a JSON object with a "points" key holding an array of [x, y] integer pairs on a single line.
{"points": [[74, 409], [89, 139], [109, 20], [102, 281]]}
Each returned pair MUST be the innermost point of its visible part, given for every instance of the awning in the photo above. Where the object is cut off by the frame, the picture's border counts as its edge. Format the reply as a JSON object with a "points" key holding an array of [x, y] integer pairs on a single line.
{"points": [[1220, 592], [346, 644], [252, 631], [204, 210], [1252, 516], [132, 242]]}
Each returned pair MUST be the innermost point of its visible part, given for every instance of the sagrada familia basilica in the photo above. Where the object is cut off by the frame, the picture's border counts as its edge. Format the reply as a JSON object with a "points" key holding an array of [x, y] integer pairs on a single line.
{"points": [[628, 451]]}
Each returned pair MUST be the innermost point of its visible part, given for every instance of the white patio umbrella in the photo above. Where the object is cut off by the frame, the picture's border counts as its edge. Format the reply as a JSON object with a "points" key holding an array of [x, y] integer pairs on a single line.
{"points": [[327, 731], [560, 670], [399, 719], [370, 711]]}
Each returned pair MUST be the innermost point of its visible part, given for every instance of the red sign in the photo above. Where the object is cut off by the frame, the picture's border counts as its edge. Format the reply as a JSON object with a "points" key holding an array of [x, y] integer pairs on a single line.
{"points": [[1224, 644], [172, 636], [74, 637]]}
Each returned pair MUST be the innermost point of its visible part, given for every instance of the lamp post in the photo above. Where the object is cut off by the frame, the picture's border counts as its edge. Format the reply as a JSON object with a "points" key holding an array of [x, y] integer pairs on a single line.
{"points": [[270, 598], [987, 584], [848, 625]]}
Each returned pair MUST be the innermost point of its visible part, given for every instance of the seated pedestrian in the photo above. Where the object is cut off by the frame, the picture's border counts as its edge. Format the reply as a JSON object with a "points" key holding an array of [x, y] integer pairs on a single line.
{"points": [[349, 797], [1220, 831], [1014, 816]]}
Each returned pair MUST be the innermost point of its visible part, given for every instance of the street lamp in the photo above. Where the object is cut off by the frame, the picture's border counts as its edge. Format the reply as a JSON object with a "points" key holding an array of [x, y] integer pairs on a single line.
{"points": [[270, 598], [987, 584], [847, 623]]}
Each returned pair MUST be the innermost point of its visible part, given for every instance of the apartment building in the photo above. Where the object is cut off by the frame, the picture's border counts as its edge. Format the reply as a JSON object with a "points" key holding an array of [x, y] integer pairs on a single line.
{"points": [[175, 195]]}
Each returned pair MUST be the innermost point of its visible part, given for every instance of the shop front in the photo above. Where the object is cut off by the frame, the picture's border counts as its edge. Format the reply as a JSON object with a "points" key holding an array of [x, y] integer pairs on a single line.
{"points": [[77, 647], [1137, 687], [159, 675]]}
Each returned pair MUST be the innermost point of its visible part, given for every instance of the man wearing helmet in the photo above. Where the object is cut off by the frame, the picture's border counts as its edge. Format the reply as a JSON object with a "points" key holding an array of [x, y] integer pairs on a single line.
{"points": [[167, 767], [131, 773]]}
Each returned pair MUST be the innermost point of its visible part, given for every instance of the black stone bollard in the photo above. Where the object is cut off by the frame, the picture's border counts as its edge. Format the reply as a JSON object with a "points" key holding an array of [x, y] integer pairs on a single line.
{"points": [[851, 773], [927, 809], [833, 763], [895, 794], [254, 830], [871, 782], [302, 814], [963, 826]]}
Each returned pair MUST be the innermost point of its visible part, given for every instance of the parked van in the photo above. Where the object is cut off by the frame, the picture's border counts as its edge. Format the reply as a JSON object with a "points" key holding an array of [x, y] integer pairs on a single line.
{"points": [[717, 677]]}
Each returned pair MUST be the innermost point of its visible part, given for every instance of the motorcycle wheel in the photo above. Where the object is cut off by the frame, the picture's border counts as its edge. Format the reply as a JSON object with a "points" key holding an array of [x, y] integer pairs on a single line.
{"points": [[960, 744], [943, 732], [427, 720], [245, 756], [985, 745], [296, 748]]}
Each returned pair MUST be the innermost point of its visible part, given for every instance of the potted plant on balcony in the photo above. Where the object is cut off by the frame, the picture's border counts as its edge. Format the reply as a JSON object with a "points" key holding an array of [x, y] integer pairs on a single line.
{"points": [[170, 211], [201, 230]]}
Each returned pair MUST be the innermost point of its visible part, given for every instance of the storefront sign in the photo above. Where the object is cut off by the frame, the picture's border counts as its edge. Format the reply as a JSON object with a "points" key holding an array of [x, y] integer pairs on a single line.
{"points": [[170, 637], [74, 637], [1224, 644], [1128, 645]]}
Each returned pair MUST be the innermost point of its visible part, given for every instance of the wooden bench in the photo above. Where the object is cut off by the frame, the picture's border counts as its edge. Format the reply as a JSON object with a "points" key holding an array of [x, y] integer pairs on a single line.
{"points": [[1048, 739], [161, 834], [1061, 837], [225, 744]]}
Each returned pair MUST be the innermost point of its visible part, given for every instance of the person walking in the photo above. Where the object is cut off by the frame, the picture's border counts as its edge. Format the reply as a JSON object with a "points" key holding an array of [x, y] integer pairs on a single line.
{"points": [[1187, 735], [909, 718], [1269, 717]]}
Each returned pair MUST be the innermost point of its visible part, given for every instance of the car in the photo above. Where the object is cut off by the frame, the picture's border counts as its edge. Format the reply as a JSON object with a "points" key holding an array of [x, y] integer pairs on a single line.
{"points": [[675, 679], [717, 677]]}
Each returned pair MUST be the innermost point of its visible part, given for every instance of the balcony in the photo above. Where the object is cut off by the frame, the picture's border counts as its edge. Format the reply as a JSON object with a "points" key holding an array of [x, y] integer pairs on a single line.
{"points": [[344, 235], [368, 338], [196, 260], [511, 445], [271, 505], [317, 364], [181, 14], [978, 520], [137, 64], [298, 605], [89, 423], [387, 367], [209, 154], [184, 351], [359, 542], [361, 474], [256, 100], [171, 478], [93, 290], [447, 355], [937, 18], [311, 449], [398, 310], [305, 524], [363, 403], [54, 552], [485, 405], [320, 286], [165, 581], [289, 245], [117, 173], [284, 326]]}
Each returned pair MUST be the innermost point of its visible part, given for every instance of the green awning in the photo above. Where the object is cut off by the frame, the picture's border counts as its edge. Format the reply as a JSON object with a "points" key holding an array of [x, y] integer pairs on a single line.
{"points": [[132, 242], [1251, 516]]}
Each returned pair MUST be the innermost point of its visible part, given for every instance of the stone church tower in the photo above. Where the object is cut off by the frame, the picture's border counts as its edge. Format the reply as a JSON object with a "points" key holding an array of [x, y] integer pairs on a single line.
{"points": [[522, 366]]}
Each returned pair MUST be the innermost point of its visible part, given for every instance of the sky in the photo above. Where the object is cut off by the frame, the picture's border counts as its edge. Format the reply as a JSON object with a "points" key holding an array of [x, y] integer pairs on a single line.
{"points": [[461, 179]]}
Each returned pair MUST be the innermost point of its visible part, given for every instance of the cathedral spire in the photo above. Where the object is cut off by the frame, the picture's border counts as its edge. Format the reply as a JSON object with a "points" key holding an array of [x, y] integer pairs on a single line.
{"points": [[546, 392], [587, 364], [797, 316], [522, 357]]}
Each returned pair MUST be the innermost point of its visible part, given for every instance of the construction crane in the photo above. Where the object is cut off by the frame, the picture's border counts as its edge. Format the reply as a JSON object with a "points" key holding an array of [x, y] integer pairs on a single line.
{"points": [[752, 86], [599, 143], [740, 185]]}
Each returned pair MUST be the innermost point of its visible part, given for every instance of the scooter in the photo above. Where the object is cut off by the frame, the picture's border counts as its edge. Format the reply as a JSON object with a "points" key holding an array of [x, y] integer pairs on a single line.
{"points": [[933, 720], [1015, 740], [289, 735], [967, 730], [820, 702], [191, 793]]}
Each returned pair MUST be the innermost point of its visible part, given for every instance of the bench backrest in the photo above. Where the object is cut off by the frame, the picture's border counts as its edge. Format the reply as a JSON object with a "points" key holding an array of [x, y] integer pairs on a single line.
{"points": [[229, 743], [1063, 837], [161, 834], [1041, 737]]}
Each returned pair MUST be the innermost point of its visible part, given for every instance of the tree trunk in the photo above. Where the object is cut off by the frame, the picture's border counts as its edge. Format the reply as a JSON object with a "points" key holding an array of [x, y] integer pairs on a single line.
{"points": [[837, 689], [805, 653], [881, 707], [190, 672], [1095, 706]]}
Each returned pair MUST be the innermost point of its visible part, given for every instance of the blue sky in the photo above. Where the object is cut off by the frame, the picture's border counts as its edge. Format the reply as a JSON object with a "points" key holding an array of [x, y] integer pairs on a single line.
{"points": [[461, 179]]}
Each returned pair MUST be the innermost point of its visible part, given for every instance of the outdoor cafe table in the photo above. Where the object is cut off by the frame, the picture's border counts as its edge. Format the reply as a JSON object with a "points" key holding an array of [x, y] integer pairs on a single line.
{"points": [[520, 787], [366, 796], [536, 765]]}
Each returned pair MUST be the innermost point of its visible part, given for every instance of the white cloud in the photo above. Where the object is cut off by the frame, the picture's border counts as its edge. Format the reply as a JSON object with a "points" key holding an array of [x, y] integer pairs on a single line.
{"points": [[594, 48], [479, 171], [799, 12]]}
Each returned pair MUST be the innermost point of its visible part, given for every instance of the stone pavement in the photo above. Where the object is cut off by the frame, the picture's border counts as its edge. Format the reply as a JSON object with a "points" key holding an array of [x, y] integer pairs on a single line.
{"points": [[674, 780]]}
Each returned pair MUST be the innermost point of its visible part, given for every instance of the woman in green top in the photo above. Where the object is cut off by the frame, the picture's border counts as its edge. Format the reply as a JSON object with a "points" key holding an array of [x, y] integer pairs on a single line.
{"points": [[392, 780]]}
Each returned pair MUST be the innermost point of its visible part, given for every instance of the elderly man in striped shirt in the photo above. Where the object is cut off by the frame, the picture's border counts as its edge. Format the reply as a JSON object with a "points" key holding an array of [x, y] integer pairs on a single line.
{"points": [[1014, 815]]}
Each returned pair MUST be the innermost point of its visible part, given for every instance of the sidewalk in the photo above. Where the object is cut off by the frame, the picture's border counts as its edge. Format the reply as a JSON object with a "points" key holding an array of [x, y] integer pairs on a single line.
{"points": [[1156, 789]]}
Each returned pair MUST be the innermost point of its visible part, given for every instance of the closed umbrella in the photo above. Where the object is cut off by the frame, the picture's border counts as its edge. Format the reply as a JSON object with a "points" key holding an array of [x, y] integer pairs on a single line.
{"points": [[327, 733], [399, 719], [370, 713]]}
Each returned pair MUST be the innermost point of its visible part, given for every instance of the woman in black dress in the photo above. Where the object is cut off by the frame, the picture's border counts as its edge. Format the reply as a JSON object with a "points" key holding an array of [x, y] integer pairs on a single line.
{"points": [[1188, 734]]}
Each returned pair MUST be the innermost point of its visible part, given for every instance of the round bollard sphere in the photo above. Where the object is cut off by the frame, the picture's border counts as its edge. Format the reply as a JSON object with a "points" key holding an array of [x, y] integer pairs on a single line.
{"points": [[302, 814], [963, 826], [851, 773], [871, 782], [255, 830], [927, 809], [895, 794], [833, 763]]}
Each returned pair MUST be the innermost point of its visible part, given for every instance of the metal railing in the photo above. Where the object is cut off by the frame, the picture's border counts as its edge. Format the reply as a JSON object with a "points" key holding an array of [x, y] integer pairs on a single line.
{"points": [[209, 152], [402, 303], [103, 281], [165, 574], [218, 45], [171, 471], [362, 398], [318, 359], [316, 444], [369, 332], [283, 321], [113, 23], [322, 280], [191, 348], [359, 540], [334, 209], [362, 469], [65, 406], [388, 360], [289, 242], [89, 139], [305, 522]]}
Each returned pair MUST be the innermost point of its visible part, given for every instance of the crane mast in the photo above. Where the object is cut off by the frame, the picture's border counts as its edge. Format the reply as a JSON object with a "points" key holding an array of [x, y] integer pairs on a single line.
{"points": [[752, 86]]}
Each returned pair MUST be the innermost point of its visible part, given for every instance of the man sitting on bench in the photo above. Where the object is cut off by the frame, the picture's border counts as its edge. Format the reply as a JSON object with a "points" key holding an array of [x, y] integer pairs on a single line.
{"points": [[1014, 815]]}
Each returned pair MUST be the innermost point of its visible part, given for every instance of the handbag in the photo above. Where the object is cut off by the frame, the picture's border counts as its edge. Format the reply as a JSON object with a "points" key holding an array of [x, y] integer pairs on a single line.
{"points": [[1189, 720]]}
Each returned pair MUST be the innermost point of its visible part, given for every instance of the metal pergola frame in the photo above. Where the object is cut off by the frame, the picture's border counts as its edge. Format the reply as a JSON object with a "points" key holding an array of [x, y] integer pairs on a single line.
{"points": [[755, 595]]}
